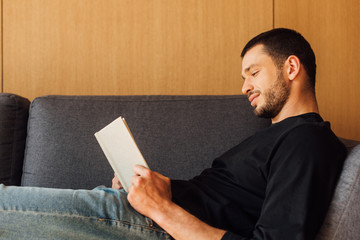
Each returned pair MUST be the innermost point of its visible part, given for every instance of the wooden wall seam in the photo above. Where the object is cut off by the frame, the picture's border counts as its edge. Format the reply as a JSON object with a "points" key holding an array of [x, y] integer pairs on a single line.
{"points": [[273, 13]]}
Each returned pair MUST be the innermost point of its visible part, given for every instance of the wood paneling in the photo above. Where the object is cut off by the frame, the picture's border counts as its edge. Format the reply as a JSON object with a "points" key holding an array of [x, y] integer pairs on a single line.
{"points": [[173, 47], [333, 29], [128, 47]]}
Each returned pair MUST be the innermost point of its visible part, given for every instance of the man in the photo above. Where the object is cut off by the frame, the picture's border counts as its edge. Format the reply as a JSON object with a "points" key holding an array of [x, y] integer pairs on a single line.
{"points": [[276, 184]]}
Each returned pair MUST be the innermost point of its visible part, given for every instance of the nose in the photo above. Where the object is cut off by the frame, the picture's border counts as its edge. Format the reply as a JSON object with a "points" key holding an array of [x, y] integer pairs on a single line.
{"points": [[247, 87]]}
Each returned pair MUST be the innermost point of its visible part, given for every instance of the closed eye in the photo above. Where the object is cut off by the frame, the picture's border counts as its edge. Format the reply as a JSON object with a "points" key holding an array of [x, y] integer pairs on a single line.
{"points": [[254, 73]]}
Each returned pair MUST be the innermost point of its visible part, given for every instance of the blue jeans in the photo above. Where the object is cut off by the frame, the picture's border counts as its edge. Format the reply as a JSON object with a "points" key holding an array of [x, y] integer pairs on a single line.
{"points": [[43, 213]]}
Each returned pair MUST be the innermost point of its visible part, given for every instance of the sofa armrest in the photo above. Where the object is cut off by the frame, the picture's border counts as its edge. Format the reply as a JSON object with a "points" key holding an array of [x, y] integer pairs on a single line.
{"points": [[14, 112], [344, 212]]}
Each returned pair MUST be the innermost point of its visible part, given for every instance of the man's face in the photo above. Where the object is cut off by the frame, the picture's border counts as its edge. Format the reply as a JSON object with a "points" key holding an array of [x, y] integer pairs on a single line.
{"points": [[264, 83]]}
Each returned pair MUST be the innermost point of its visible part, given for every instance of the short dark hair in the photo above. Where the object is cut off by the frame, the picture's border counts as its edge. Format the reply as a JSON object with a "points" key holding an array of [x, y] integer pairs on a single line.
{"points": [[280, 43]]}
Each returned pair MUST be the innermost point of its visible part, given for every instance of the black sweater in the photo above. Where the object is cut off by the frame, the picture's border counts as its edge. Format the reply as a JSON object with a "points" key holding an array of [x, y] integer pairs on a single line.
{"points": [[276, 184]]}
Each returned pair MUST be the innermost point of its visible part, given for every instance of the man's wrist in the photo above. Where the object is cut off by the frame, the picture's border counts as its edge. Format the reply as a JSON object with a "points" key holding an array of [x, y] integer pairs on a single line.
{"points": [[163, 213]]}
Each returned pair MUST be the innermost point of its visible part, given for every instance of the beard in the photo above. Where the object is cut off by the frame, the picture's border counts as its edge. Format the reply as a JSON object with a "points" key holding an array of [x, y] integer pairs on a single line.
{"points": [[275, 98]]}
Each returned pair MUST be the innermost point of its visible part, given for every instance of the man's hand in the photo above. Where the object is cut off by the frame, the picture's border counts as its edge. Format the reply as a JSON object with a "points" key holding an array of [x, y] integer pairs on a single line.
{"points": [[150, 192], [116, 183]]}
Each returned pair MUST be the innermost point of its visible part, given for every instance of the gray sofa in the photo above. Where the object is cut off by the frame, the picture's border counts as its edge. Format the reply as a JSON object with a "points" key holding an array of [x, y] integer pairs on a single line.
{"points": [[52, 143]]}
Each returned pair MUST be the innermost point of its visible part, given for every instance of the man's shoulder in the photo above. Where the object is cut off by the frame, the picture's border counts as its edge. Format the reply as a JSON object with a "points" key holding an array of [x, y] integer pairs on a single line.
{"points": [[316, 138], [306, 131]]}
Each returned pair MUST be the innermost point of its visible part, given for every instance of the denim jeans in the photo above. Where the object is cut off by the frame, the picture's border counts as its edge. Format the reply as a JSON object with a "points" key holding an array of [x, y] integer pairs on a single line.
{"points": [[44, 213]]}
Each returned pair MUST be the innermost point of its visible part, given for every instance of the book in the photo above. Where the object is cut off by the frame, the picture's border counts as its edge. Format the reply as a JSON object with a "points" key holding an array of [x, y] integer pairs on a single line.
{"points": [[121, 150]]}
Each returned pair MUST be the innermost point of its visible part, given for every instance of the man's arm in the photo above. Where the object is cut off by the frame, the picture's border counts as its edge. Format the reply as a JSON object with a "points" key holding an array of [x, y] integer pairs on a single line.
{"points": [[150, 194]]}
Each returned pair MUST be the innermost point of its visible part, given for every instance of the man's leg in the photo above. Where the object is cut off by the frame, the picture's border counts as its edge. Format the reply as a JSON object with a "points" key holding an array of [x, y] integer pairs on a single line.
{"points": [[43, 213]]}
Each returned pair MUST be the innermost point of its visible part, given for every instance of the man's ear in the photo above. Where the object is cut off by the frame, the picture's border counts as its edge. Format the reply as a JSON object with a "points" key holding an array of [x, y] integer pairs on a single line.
{"points": [[293, 67]]}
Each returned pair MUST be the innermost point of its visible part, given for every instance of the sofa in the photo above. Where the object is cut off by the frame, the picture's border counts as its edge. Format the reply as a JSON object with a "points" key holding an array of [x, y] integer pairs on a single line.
{"points": [[50, 143]]}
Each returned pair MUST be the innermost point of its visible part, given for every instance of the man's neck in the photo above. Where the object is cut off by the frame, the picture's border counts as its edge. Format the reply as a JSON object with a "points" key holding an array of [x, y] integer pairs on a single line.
{"points": [[297, 106]]}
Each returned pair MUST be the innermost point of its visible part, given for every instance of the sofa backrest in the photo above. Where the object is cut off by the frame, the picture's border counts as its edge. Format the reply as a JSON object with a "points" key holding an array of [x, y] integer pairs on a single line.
{"points": [[178, 135]]}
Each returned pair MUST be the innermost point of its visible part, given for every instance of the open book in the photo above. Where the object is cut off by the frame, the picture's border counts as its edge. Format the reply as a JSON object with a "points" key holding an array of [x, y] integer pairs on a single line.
{"points": [[120, 149]]}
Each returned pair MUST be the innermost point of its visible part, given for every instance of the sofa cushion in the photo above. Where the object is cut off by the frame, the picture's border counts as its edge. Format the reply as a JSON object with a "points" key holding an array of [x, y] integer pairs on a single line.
{"points": [[13, 124], [178, 135], [343, 216]]}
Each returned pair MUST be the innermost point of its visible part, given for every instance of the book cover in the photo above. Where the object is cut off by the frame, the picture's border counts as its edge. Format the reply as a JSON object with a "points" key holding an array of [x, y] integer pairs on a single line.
{"points": [[120, 149]]}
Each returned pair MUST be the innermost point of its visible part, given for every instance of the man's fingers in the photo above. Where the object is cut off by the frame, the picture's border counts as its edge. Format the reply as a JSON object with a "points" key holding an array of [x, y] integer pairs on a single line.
{"points": [[141, 170], [116, 183], [137, 180]]}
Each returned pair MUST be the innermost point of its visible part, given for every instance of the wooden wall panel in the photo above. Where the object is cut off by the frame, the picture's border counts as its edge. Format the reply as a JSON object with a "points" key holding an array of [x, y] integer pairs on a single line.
{"points": [[128, 47], [333, 29]]}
